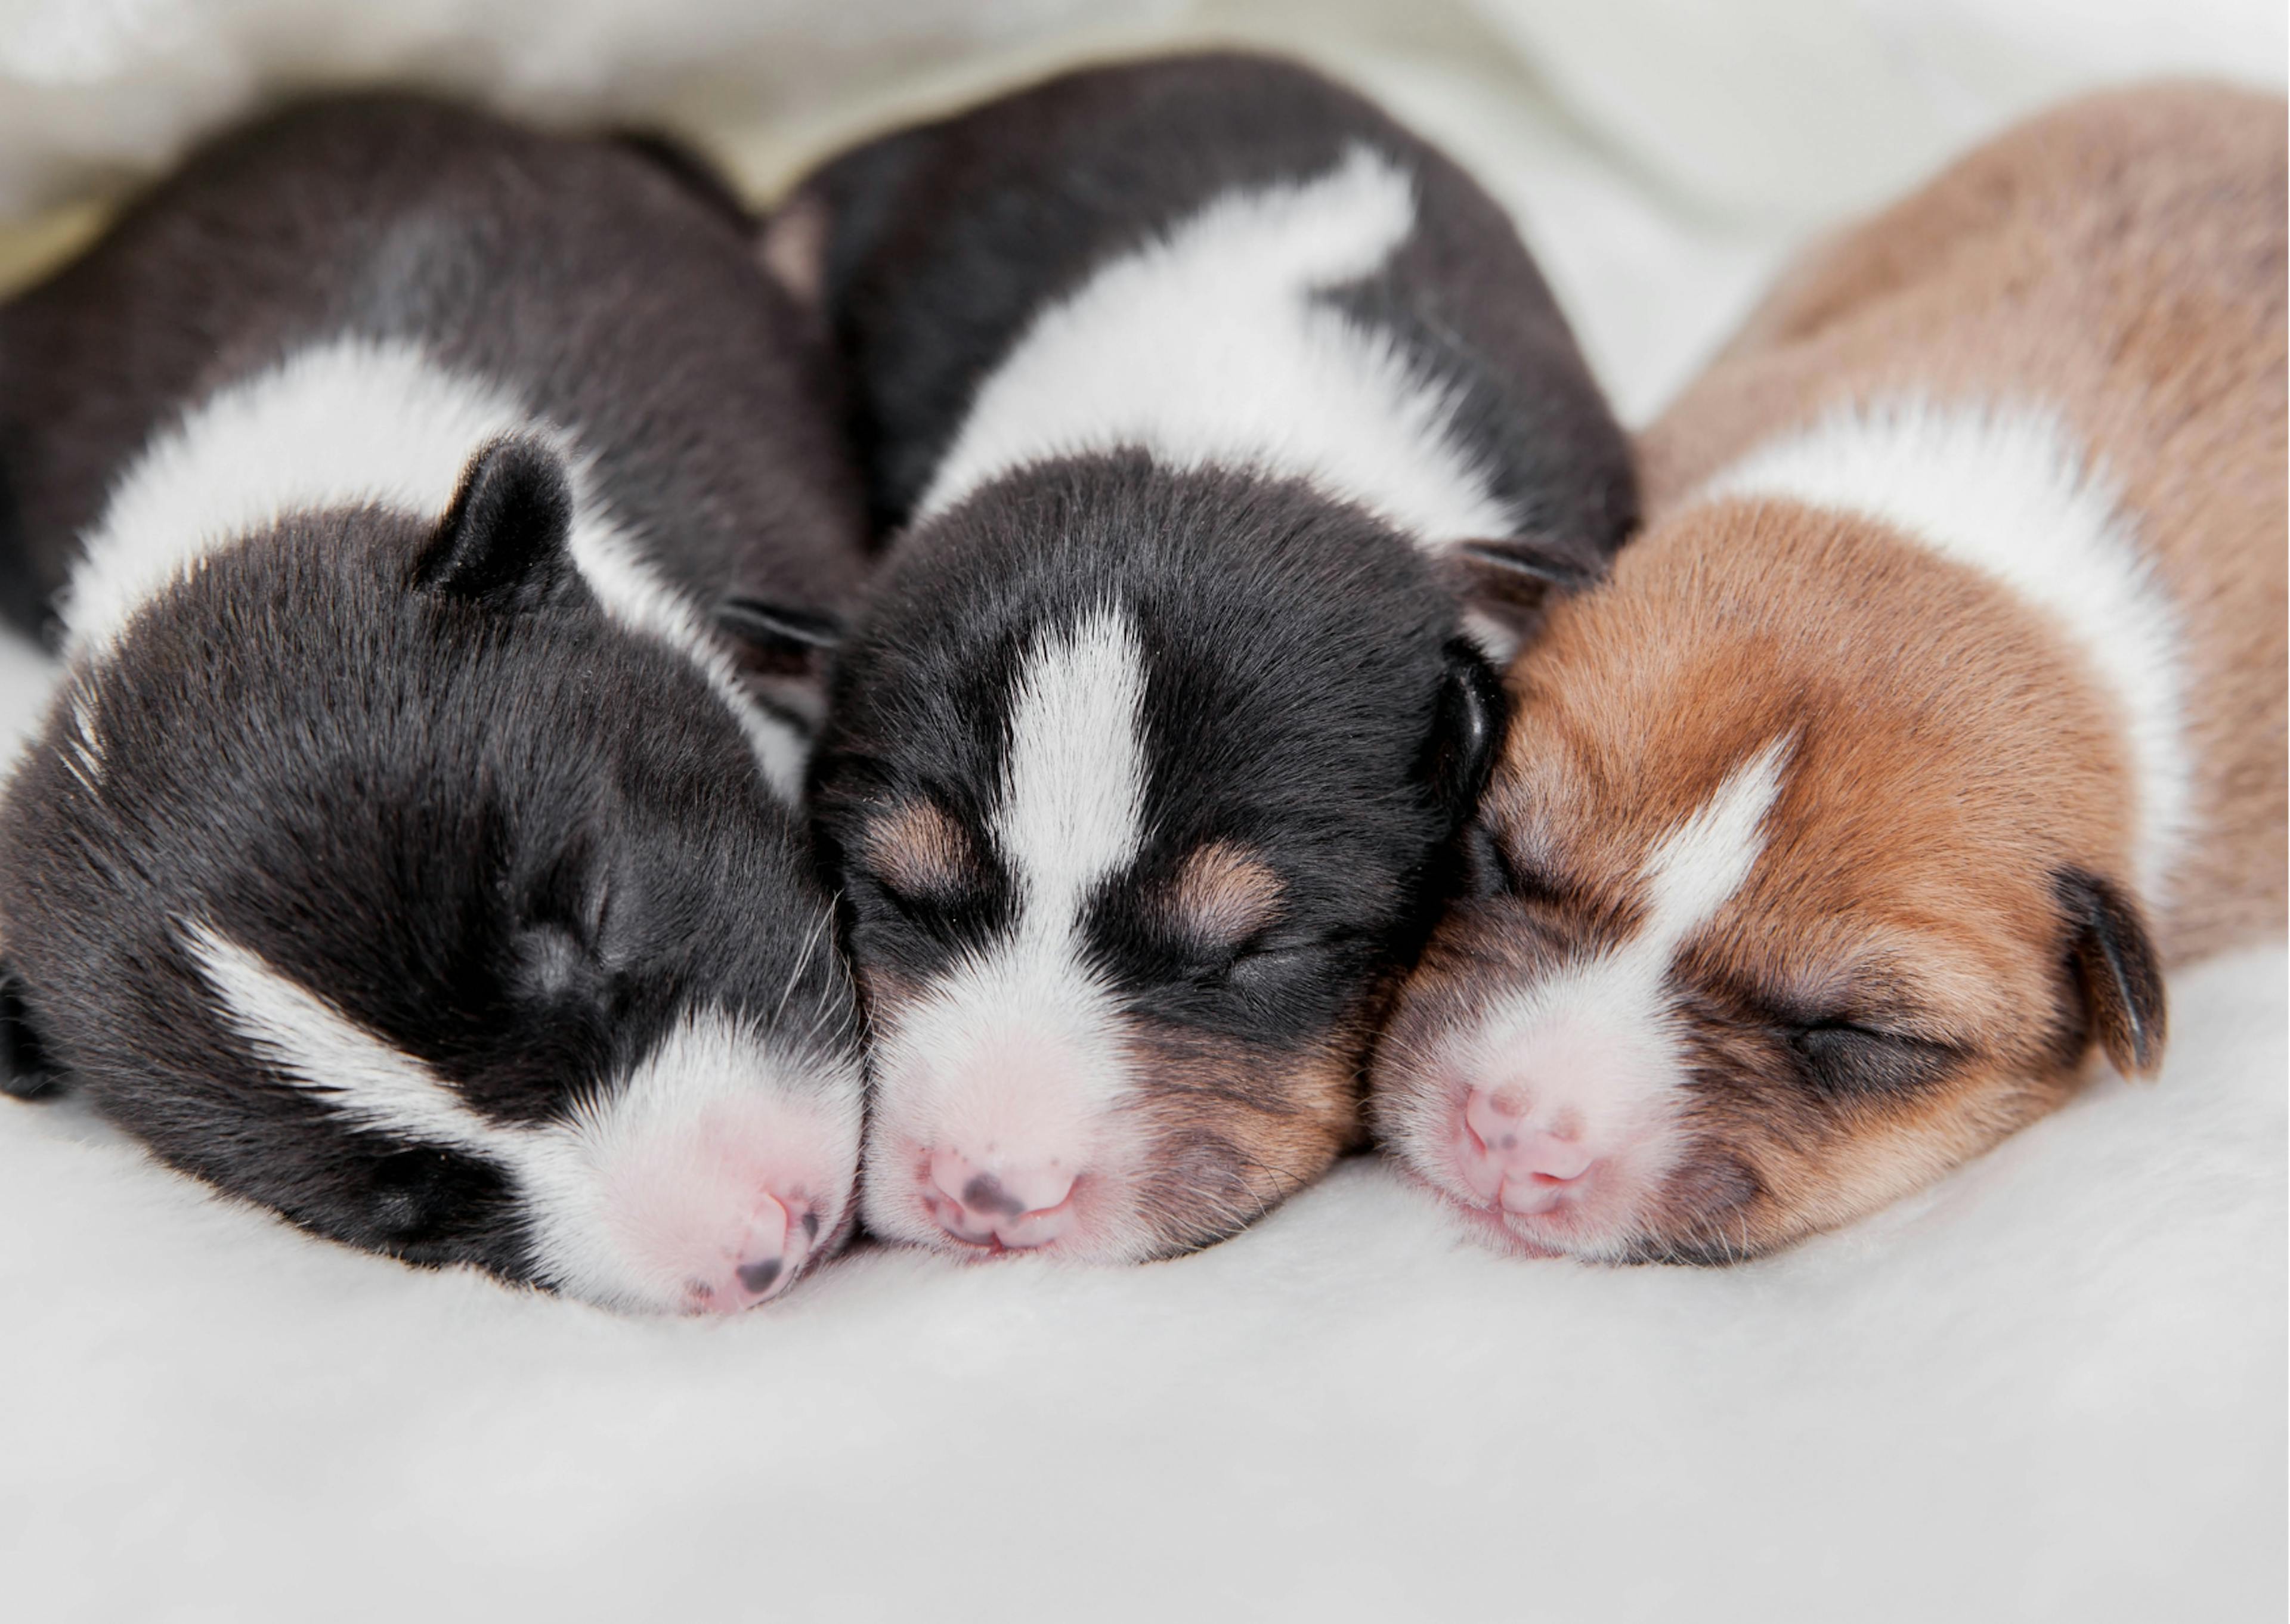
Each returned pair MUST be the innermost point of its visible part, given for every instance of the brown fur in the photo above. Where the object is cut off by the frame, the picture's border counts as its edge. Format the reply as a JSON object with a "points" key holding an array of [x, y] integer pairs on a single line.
{"points": [[1222, 896], [2121, 262], [921, 851]]}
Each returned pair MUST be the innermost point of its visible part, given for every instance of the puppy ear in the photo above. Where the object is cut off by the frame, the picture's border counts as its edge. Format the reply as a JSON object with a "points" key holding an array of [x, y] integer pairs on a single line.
{"points": [[837, 216], [506, 540], [2115, 964], [1467, 732], [1522, 572], [777, 637], [793, 247], [781, 653], [24, 1069]]}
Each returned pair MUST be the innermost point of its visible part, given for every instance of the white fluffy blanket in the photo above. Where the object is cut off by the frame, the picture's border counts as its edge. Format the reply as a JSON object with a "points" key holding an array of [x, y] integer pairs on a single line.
{"points": [[2050, 1387]]}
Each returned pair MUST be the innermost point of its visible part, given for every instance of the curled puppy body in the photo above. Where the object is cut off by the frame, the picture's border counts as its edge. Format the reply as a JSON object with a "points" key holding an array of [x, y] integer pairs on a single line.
{"points": [[1196, 386], [403, 849], [1939, 709]]}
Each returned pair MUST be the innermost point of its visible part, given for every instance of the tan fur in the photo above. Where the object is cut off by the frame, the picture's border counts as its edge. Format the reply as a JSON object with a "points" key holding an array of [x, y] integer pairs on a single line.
{"points": [[2120, 263], [920, 851], [1222, 896]]}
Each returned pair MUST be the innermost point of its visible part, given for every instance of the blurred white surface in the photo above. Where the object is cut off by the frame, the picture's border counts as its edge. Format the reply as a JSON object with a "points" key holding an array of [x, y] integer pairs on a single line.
{"points": [[2050, 1389]]}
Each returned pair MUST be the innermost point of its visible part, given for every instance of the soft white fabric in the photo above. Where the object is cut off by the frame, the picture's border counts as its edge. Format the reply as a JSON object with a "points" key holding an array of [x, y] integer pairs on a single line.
{"points": [[2050, 1387]]}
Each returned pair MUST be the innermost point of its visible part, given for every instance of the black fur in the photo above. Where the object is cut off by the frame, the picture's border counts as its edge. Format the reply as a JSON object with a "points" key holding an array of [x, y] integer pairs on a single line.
{"points": [[1310, 697], [1307, 706], [944, 241], [587, 271], [414, 765]]}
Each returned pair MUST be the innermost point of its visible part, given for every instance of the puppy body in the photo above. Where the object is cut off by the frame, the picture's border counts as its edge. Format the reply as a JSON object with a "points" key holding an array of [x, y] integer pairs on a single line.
{"points": [[1940, 706], [1193, 388], [405, 850]]}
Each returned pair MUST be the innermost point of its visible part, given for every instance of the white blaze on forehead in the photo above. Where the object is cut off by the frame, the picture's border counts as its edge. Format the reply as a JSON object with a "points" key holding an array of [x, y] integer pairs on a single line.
{"points": [[1073, 784], [2007, 490], [680, 1147], [1022, 1041], [1212, 346], [1590, 1050], [1703, 861], [350, 423]]}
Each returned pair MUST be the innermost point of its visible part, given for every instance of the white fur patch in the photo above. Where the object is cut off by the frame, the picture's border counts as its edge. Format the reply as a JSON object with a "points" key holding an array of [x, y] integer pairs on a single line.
{"points": [[634, 1193], [1021, 1047], [2006, 490], [1209, 349], [1591, 1048], [356, 422]]}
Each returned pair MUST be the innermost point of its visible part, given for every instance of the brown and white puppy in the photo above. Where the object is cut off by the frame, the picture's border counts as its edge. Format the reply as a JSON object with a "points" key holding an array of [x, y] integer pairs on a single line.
{"points": [[1940, 708]]}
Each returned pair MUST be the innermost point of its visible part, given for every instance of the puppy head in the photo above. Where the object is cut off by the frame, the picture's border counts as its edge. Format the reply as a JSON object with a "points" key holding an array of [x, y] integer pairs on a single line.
{"points": [[1135, 784], [372, 870], [1790, 893]]}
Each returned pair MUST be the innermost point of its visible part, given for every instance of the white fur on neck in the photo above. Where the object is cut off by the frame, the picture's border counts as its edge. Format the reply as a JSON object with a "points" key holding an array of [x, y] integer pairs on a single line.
{"points": [[2009, 490], [1209, 347], [348, 423]]}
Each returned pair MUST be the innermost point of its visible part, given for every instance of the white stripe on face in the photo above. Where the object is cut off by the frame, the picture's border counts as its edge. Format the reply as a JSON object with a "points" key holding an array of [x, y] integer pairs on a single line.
{"points": [[1590, 1051], [1020, 1048], [1210, 347], [642, 1189], [351, 423], [2007, 491]]}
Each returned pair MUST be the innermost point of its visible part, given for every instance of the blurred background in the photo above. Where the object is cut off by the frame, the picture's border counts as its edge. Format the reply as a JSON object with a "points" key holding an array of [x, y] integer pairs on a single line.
{"points": [[1634, 138]]}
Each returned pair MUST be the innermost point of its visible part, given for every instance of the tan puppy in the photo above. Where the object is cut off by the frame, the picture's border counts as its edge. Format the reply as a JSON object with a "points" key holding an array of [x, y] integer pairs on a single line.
{"points": [[1940, 706]]}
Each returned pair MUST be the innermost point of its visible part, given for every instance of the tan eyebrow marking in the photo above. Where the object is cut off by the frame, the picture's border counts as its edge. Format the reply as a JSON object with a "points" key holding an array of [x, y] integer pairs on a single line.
{"points": [[1223, 895], [920, 851]]}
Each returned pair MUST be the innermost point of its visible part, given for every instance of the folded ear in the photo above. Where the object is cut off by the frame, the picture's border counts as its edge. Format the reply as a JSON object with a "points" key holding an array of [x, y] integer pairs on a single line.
{"points": [[1466, 731], [2115, 964], [778, 638], [507, 540], [792, 245], [1518, 573], [24, 1069]]}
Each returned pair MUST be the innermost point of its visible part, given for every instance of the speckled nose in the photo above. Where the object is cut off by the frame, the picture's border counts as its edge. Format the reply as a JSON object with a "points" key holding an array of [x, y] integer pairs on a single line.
{"points": [[992, 1201]]}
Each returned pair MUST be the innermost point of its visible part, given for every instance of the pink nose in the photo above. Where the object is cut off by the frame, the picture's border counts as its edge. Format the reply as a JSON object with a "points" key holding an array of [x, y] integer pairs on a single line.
{"points": [[763, 1257], [1506, 1153], [1016, 1203]]}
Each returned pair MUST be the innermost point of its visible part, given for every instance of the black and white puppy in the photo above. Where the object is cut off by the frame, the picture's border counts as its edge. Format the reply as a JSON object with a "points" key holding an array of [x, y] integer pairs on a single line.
{"points": [[404, 849], [1195, 389]]}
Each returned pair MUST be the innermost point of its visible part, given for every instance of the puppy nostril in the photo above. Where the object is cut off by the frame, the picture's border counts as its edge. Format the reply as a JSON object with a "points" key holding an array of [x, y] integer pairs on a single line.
{"points": [[760, 1277], [984, 1193]]}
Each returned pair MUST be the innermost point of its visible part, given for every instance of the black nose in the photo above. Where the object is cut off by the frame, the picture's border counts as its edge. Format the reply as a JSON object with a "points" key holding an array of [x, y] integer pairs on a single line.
{"points": [[985, 1193], [758, 1276]]}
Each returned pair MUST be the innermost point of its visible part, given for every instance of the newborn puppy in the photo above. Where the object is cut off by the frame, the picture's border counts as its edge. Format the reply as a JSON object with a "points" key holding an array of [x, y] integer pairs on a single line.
{"points": [[1195, 387], [1940, 708], [403, 851]]}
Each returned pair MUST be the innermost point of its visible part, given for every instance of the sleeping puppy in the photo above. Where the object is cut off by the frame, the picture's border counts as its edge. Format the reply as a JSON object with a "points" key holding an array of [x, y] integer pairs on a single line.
{"points": [[403, 850], [1193, 388], [1939, 710]]}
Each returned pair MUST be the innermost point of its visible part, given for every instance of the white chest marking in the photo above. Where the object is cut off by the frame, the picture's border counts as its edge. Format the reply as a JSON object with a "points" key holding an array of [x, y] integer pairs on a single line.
{"points": [[348, 423], [1209, 349], [2007, 490]]}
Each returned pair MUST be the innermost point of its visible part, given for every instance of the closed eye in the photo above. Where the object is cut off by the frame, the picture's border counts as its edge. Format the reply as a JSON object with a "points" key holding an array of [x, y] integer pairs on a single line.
{"points": [[1849, 1058]]}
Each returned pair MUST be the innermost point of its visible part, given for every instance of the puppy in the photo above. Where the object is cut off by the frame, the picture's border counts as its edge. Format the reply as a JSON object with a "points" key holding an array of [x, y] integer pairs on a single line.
{"points": [[404, 850], [1193, 389], [1939, 710]]}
